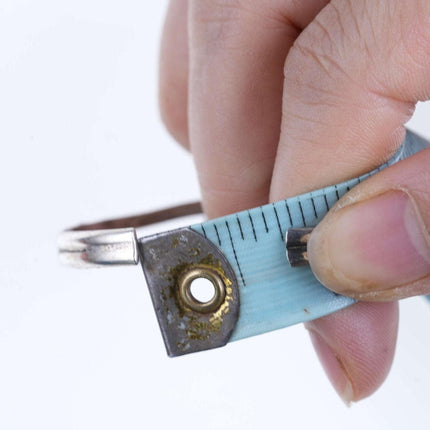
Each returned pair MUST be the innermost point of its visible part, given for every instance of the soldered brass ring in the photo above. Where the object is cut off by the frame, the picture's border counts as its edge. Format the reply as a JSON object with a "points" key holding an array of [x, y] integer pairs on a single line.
{"points": [[185, 281]]}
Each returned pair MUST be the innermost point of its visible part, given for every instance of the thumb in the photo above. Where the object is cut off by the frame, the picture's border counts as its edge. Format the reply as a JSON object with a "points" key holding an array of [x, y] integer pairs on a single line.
{"points": [[375, 243]]}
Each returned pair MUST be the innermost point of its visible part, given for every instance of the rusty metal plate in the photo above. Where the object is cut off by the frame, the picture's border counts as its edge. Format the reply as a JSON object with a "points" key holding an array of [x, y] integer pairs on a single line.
{"points": [[170, 260]]}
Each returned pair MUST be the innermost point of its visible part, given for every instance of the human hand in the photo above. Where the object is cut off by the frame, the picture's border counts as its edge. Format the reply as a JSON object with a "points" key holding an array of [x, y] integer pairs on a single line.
{"points": [[279, 97]]}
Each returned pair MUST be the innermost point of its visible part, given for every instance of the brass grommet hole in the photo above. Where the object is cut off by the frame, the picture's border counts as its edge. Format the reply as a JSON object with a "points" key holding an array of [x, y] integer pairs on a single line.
{"points": [[202, 289]]}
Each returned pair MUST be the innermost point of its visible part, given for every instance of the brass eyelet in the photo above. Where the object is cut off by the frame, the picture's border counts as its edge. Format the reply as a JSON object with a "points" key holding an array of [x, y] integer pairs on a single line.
{"points": [[185, 281]]}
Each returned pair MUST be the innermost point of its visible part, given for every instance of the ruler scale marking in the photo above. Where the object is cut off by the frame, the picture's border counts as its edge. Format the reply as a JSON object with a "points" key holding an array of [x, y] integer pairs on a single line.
{"points": [[337, 192], [264, 219], [252, 225], [235, 254], [288, 212], [217, 235], [313, 206], [326, 203], [277, 221], [240, 227], [302, 214]]}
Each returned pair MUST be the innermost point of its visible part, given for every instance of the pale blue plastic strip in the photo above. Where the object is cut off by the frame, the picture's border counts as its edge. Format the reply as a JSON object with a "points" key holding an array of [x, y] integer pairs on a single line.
{"points": [[272, 293]]}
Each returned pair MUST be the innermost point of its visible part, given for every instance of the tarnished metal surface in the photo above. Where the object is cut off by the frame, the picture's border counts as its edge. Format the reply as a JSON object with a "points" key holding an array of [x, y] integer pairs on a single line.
{"points": [[297, 246], [170, 260], [98, 248]]}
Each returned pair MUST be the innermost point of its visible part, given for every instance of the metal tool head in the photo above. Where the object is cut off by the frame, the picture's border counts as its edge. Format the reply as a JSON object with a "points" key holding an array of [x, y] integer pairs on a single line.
{"points": [[296, 240]]}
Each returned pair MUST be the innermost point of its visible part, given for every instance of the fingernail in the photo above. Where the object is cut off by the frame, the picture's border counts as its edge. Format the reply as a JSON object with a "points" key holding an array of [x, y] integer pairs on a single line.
{"points": [[371, 246], [334, 368]]}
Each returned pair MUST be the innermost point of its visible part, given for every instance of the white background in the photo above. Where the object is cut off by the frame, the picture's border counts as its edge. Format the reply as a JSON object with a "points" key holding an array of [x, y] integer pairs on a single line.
{"points": [[82, 140]]}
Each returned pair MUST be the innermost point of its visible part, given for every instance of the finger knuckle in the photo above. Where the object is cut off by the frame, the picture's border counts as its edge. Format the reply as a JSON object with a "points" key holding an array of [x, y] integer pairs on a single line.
{"points": [[319, 47], [415, 38], [215, 22], [225, 24]]}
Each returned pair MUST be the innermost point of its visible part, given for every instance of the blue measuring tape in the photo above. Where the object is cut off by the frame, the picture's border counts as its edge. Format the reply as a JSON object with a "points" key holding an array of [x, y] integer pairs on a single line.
{"points": [[272, 293], [242, 255]]}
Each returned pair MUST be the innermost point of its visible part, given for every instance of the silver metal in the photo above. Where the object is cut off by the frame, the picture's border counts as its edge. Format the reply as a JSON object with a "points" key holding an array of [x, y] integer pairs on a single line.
{"points": [[98, 248], [297, 246]]}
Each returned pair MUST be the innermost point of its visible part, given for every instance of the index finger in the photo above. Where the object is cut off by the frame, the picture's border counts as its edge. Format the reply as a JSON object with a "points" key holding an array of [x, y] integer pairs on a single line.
{"points": [[237, 53]]}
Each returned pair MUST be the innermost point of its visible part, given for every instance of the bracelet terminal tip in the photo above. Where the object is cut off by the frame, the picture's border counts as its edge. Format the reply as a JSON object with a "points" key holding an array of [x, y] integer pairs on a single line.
{"points": [[98, 248]]}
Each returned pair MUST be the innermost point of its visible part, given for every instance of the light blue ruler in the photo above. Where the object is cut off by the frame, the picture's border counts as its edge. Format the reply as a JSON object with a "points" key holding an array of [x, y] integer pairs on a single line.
{"points": [[272, 293]]}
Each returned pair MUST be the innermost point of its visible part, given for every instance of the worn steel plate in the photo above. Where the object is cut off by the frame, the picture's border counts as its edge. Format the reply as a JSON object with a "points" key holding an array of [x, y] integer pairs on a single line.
{"points": [[166, 259]]}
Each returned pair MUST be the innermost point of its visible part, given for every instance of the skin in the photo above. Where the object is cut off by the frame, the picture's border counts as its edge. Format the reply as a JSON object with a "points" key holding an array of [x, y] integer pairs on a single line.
{"points": [[280, 97]]}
